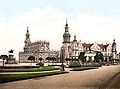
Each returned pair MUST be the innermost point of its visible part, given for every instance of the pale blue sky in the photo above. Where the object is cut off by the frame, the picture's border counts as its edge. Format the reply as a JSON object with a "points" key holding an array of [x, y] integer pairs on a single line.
{"points": [[12, 8]]}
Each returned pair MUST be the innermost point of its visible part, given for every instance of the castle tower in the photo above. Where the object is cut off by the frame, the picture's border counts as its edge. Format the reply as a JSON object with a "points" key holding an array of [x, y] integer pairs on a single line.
{"points": [[66, 35], [66, 43], [75, 40], [27, 41], [114, 51]]}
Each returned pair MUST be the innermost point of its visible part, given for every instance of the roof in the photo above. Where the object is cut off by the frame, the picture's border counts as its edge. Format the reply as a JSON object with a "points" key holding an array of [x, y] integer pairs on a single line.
{"points": [[103, 47], [66, 34], [85, 45]]}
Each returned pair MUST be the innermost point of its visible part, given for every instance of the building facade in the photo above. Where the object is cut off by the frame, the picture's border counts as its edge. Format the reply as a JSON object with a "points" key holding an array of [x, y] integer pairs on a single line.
{"points": [[39, 49], [72, 49]]}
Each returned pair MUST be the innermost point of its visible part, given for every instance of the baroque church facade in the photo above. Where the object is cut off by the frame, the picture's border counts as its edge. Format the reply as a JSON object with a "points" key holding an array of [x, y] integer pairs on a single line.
{"points": [[72, 49], [39, 49]]}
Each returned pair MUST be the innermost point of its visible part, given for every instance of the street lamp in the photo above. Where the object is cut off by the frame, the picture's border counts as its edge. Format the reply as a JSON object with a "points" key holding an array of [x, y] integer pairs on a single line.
{"points": [[62, 59]]}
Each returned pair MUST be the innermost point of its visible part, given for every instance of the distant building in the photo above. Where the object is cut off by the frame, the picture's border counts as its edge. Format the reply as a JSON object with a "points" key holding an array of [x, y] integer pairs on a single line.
{"points": [[72, 49], [39, 49]]}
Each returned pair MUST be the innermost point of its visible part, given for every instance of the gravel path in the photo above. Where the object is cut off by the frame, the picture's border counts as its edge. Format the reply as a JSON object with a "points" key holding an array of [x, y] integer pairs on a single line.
{"points": [[89, 79]]}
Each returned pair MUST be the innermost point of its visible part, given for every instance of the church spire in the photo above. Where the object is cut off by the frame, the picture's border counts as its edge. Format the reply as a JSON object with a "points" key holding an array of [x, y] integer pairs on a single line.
{"points": [[75, 38], [114, 40], [114, 45], [66, 26], [27, 40], [66, 23], [66, 35], [27, 34], [27, 29]]}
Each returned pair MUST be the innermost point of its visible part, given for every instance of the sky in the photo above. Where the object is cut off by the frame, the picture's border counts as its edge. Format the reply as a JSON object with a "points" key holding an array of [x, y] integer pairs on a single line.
{"points": [[90, 20]]}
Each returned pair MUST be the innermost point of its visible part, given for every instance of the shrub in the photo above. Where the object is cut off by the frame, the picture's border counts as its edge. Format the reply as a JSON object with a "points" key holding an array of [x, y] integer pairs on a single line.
{"points": [[40, 64], [83, 68], [18, 67], [92, 65], [77, 64], [74, 64], [30, 70]]}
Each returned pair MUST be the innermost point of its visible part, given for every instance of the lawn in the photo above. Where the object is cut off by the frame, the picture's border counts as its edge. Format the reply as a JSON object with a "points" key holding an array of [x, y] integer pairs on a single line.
{"points": [[14, 77], [83, 68], [44, 68]]}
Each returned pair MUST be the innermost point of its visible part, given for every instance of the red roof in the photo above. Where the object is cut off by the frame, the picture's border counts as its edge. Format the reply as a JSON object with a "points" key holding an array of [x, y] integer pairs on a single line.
{"points": [[103, 47], [85, 45]]}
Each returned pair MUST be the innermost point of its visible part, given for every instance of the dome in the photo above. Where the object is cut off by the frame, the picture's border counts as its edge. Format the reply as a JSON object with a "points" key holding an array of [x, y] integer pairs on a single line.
{"points": [[66, 34]]}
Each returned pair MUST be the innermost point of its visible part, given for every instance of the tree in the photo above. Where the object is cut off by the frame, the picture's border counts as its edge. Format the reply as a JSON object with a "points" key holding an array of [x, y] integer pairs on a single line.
{"points": [[40, 59], [3, 57], [67, 59], [31, 58], [82, 57], [53, 59], [101, 57], [48, 59], [98, 57], [77, 60], [72, 59]]}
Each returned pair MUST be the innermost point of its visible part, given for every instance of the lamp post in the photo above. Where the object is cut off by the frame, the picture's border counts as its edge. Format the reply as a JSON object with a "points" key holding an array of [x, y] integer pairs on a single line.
{"points": [[62, 60]]}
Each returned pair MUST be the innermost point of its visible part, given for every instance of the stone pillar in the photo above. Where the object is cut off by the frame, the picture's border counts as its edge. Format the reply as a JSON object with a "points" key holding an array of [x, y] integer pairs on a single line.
{"points": [[87, 58], [92, 58]]}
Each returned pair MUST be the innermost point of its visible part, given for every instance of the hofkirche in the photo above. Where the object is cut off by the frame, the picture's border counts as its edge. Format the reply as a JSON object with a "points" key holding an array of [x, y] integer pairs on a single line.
{"points": [[39, 49]]}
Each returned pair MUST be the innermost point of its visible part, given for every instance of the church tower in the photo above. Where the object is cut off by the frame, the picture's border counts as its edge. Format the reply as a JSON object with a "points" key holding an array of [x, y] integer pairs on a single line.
{"points": [[75, 40], [27, 41], [66, 43], [114, 51], [66, 35]]}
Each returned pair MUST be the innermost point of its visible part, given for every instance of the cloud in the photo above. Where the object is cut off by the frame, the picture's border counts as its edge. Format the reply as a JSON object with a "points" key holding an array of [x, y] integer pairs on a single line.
{"points": [[48, 24]]}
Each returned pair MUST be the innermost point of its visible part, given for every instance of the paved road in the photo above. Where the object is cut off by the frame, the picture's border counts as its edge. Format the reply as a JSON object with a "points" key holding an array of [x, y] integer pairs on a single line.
{"points": [[89, 79], [113, 82]]}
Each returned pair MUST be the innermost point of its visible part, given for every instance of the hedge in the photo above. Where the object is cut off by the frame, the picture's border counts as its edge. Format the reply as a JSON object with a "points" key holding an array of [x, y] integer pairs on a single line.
{"points": [[18, 67], [30, 70], [83, 68], [15, 77]]}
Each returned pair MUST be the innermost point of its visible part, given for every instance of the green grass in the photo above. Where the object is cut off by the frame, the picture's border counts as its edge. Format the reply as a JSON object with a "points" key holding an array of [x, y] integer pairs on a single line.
{"points": [[14, 77], [83, 68], [86, 65], [48, 68], [44, 68]]}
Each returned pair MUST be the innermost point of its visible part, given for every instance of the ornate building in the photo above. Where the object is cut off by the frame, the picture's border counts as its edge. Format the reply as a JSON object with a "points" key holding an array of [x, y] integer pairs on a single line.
{"points": [[115, 56], [37, 49], [72, 49]]}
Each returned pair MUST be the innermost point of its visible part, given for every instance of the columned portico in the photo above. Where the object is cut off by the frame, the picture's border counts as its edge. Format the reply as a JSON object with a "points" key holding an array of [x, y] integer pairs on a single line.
{"points": [[90, 56]]}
